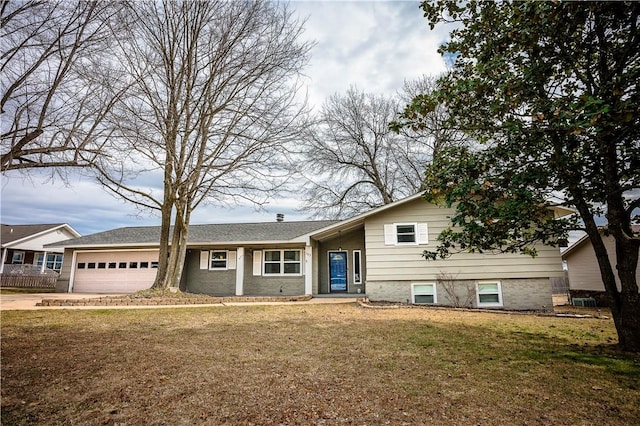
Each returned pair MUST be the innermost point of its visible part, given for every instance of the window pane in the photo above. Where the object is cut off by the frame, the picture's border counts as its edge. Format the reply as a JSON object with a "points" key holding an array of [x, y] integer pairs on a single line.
{"points": [[423, 298], [218, 260], [292, 255], [122, 265], [405, 229], [271, 268], [133, 265], [81, 265], [489, 298], [423, 289], [291, 268], [102, 265], [112, 265], [219, 255], [154, 265], [91, 265], [144, 264], [487, 288], [272, 256]]}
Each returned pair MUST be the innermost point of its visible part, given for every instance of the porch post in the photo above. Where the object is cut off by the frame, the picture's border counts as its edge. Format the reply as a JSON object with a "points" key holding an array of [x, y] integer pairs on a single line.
{"points": [[72, 271], [44, 262], [308, 270], [240, 271], [4, 259]]}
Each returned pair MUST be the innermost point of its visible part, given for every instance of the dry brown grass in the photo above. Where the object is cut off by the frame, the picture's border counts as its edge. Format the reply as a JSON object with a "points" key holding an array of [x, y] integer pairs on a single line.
{"points": [[313, 364]]}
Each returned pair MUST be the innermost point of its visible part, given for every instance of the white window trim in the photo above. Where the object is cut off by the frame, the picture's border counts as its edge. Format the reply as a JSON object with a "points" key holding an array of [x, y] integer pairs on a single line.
{"points": [[226, 260], [357, 280], [282, 263], [489, 304], [13, 256], [421, 233], [415, 234], [414, 294]]}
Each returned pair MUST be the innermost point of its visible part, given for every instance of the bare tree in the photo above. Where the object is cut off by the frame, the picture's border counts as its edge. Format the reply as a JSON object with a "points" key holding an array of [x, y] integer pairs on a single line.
{"points": [[356, 162], [459, 293], [54, 95], [214, 100], [431, 129]]}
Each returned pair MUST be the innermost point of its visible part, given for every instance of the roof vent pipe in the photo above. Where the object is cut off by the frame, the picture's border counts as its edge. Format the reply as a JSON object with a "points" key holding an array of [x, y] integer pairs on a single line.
{"points": [[279, 217]]}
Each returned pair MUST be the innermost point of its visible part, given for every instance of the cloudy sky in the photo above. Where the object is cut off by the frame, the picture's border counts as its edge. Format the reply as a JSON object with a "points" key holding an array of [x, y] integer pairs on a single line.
{"points": [[374, 45]]}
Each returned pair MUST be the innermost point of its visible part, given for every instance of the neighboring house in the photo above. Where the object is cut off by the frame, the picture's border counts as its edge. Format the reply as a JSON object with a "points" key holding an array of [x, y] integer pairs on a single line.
{"points": [[23, 251], [585, 279], [377, 253]]}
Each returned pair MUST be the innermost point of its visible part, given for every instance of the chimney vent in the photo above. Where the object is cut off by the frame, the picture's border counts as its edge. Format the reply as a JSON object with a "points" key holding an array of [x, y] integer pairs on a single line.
{"points": [[280, 217]]}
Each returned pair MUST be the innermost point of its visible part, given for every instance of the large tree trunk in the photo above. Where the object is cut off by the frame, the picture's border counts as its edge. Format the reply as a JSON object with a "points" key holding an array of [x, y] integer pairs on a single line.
{"points": [[624, 303], [166, 211], [163, 255]]}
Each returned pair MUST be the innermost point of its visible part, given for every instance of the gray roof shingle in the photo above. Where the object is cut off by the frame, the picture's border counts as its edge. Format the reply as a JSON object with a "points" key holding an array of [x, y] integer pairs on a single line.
{"points": [[11, 233], [206, 234]]}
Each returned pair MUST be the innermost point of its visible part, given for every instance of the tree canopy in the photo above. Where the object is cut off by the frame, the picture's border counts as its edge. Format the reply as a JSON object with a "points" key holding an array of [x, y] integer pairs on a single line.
{"points": [[352, 161], [212, 102], [550, 92], [55, 94]]}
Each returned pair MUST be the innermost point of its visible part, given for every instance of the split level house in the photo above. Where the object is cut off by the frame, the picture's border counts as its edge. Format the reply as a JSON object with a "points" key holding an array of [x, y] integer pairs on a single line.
{"points": [[378, 253]]}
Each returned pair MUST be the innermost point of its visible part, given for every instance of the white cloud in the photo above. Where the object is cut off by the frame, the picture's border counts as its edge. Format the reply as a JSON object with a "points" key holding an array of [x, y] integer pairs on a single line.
{"points": [[375, 45]]}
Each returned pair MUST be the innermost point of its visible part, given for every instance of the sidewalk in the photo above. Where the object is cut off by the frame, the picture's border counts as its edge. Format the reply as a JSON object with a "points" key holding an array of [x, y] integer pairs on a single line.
{"points": [[28, 301]]}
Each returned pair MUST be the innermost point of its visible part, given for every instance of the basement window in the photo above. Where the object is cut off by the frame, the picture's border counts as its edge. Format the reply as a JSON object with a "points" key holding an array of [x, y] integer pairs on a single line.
{"points": [[489, 294], [423, 293]]}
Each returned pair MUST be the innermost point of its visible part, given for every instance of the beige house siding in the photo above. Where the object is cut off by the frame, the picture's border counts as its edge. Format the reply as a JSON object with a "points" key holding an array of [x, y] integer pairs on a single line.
{"points": [[392, 269], [395, 263], [62, 285], [582, 266]]}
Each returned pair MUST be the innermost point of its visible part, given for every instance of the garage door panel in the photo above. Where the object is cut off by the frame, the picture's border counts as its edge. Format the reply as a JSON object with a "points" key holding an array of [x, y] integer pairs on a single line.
{"points": [[114, 272]]}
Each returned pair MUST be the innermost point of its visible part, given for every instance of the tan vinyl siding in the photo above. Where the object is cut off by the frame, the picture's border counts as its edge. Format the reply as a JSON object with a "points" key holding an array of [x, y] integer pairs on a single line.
{"points": [[404, 262], [583, 270], [62, 285]]}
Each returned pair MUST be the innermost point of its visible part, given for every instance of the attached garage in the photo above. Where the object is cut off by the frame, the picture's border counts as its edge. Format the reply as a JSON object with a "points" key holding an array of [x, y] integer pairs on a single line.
{"points": [[123, 271]]}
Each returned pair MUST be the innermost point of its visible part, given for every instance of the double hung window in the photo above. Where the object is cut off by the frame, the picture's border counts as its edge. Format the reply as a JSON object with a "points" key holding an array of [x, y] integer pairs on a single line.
{"points": [[406, 234], [218, 259], [489, 294], [282, 262], [424, 293]]}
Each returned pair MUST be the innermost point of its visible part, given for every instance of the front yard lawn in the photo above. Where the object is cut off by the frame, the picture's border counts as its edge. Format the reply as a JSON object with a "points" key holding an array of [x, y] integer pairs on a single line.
{"points": [[313, 364]]}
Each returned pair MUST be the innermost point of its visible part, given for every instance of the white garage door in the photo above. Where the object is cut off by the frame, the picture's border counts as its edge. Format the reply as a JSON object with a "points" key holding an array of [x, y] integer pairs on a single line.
{"points": [[115, 271]]}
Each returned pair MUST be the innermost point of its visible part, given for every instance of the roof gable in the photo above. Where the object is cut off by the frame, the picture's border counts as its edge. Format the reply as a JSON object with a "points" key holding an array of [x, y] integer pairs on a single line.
{"points": [[14, 234], [586, 240]]}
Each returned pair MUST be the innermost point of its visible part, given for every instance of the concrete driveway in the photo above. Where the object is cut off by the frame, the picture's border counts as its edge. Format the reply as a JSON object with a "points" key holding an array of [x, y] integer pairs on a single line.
{"points": [[21, 301]]}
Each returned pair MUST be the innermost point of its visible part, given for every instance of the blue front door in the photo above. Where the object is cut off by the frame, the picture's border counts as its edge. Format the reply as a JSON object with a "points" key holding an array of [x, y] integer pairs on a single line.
{"points": [[338, 270]]}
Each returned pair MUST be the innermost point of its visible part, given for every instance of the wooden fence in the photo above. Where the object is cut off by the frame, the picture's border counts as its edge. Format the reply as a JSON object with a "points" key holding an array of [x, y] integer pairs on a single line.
{"points": [[27, 276], [560, 285]]}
